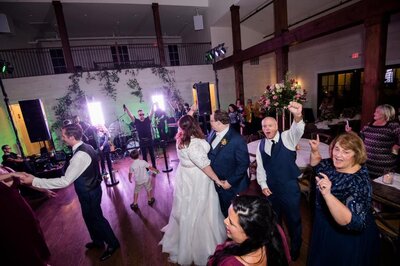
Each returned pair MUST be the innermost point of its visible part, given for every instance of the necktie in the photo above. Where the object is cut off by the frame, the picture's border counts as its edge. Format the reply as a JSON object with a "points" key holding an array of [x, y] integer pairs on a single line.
{"points": [[214, 135], [272, 146]]}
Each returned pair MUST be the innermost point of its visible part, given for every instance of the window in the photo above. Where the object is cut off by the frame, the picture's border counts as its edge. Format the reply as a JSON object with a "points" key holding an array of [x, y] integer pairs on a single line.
{"points": [[344, 86], [122, 55], [57, 59], [173, 55]]}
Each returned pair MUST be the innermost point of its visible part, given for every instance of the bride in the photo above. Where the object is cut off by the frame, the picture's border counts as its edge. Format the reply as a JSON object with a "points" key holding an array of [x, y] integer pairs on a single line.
{"points": [[195, 224]]}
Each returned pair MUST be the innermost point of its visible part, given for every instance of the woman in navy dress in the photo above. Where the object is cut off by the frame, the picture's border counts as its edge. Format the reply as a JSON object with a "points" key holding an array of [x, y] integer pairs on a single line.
{"points": [[344, 231]]}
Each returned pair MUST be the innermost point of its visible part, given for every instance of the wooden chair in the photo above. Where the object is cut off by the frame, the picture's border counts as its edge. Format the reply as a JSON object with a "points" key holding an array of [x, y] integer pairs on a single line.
{"points": [[389, 226]]}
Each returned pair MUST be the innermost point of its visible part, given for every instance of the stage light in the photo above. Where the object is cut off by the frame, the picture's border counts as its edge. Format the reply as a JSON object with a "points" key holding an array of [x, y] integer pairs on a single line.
{"points": [[96, 113], [6, 67], [216, 53], [159, 100]]}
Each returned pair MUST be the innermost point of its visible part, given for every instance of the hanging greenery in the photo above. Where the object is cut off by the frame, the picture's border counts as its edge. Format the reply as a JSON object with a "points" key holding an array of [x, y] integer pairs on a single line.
{"points": [[137, 90], [75, 100], [108, 81], [167, 76]]}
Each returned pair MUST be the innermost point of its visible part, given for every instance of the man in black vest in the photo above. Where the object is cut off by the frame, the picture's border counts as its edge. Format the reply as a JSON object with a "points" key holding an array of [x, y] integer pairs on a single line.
{"points": [[84, 172], [277, 172]]}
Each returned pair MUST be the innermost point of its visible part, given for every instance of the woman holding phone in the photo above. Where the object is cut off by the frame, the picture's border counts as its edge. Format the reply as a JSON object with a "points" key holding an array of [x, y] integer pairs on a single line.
{"points": [[344, 230]]}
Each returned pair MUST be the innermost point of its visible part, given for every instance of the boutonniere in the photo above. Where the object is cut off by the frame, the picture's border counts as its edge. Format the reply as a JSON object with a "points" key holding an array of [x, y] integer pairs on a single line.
{"points": [[224, 142]]}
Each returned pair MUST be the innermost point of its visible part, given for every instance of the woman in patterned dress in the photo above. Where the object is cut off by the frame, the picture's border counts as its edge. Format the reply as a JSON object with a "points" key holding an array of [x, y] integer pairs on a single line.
{"points": [[382, 139]]}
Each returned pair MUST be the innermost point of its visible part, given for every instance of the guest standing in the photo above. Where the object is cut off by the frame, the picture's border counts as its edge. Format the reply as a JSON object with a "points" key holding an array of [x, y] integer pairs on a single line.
{"points": [[277, 172], [104, 151], [22, 240], [229, 159], [84, 172], [235, 118], [255, 236], [382, 141], [195, 225], [143, 127], [344, 230]]}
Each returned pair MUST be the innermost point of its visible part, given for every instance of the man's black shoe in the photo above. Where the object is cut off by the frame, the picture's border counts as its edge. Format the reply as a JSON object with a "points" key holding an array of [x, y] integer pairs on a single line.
{"points": [[91, 245], [108, 253]]}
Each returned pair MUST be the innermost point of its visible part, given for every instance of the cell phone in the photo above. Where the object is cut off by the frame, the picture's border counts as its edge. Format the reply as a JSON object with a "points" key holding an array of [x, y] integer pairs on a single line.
{"points": [[347, 123]]}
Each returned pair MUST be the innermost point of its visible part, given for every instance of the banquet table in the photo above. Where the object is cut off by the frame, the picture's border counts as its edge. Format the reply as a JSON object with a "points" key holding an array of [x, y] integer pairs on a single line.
{"points": [[303, 153], [387, 194]]}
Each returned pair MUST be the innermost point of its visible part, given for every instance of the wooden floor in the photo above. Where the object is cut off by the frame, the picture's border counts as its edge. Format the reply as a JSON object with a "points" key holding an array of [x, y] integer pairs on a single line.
{"points": [[139, 233]]}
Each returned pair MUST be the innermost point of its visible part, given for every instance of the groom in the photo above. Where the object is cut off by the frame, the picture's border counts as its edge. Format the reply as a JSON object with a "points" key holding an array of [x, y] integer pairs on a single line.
{"points": [[229, 159]]}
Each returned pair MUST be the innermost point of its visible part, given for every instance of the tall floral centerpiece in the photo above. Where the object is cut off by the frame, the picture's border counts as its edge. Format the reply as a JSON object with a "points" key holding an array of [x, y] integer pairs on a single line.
{"points": [[277, 97]]}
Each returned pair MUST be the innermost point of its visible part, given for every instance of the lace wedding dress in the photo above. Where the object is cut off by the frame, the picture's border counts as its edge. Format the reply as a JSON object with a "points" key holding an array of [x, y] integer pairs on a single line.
{"points": [[195, 224]]}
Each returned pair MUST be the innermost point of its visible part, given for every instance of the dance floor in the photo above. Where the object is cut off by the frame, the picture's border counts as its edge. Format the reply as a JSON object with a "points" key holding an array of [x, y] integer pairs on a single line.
{"points": [[139, 233]]}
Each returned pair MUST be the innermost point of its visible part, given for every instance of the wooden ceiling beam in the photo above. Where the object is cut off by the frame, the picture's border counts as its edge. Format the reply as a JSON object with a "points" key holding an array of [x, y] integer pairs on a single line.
{"points": [[344, 18]]}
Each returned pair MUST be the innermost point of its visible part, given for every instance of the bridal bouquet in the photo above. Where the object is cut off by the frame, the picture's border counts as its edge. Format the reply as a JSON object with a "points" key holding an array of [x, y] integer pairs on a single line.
{"points": [[278, 96]]}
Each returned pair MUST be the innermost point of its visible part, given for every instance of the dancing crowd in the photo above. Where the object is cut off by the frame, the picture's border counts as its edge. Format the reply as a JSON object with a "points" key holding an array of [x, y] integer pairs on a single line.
{"points": [[213, 221]]}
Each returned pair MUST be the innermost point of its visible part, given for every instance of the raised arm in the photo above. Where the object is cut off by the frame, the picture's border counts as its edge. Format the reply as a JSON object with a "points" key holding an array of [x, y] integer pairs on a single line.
{"points": [[129, 113], [151, 112], [193, 109], [315, 155]]}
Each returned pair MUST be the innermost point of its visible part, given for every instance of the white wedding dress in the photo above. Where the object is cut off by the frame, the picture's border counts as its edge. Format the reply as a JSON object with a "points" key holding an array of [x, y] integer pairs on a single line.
{"points": [[195, 224]]}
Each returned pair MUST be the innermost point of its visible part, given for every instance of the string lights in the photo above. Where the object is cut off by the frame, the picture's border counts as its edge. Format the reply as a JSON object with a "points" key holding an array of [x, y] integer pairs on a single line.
{"points": [[215, 52]]}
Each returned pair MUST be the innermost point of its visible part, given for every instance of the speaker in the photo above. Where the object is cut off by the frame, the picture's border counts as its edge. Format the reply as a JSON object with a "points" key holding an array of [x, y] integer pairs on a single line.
{"points": [[4, 26], [198, 22], [35, 120], [203, 97]]}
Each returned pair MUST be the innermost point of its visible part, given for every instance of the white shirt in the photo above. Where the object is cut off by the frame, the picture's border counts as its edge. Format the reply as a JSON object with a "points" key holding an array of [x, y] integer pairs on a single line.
{"points": [[290, 139], [219, 136], [138, 168], [77, 165]]}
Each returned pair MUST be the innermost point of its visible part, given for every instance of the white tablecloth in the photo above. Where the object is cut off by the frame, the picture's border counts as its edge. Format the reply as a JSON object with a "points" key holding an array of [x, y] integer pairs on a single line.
{"points": [[303, 154], [396, 181]]}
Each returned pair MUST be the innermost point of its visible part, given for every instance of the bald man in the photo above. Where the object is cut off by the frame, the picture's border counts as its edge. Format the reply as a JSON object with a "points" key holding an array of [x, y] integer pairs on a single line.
{"points": [[277, 172]]}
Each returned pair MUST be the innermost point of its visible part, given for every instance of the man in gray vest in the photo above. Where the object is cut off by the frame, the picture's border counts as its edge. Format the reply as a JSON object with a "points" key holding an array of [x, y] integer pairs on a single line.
{"points": [[84, 172], [277, 172]]}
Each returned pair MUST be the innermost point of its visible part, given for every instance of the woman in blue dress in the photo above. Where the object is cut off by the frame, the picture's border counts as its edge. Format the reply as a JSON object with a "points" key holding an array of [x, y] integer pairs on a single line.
{"points": [[344, 230]]}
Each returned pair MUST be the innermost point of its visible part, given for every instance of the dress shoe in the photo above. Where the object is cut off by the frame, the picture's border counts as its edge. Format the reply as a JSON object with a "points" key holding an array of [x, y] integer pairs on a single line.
{"points": [[108, 253], [91, 245], [151, 201]]}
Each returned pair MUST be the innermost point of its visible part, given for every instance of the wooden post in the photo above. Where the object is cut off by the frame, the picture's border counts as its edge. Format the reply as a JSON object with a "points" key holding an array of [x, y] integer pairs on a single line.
{"points": [[157, 24], [62, 29]]}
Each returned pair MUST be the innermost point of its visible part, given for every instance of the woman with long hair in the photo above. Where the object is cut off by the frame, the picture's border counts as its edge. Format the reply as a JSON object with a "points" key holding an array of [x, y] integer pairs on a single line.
{"points": [[256, 238], [195, 224]]}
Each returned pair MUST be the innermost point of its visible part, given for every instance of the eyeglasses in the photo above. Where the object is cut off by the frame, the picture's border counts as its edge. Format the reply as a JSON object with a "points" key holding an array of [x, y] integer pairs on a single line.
{"points": [[141, 114]]}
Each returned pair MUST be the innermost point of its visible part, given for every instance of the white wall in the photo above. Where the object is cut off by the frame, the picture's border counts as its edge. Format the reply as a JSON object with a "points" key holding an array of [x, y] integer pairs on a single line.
{"points": [[49, 88]]}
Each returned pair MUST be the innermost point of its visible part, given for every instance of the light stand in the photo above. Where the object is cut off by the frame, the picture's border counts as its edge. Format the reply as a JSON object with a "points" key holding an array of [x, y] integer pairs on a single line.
{"points": [[10, 117], [163, 144]]}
